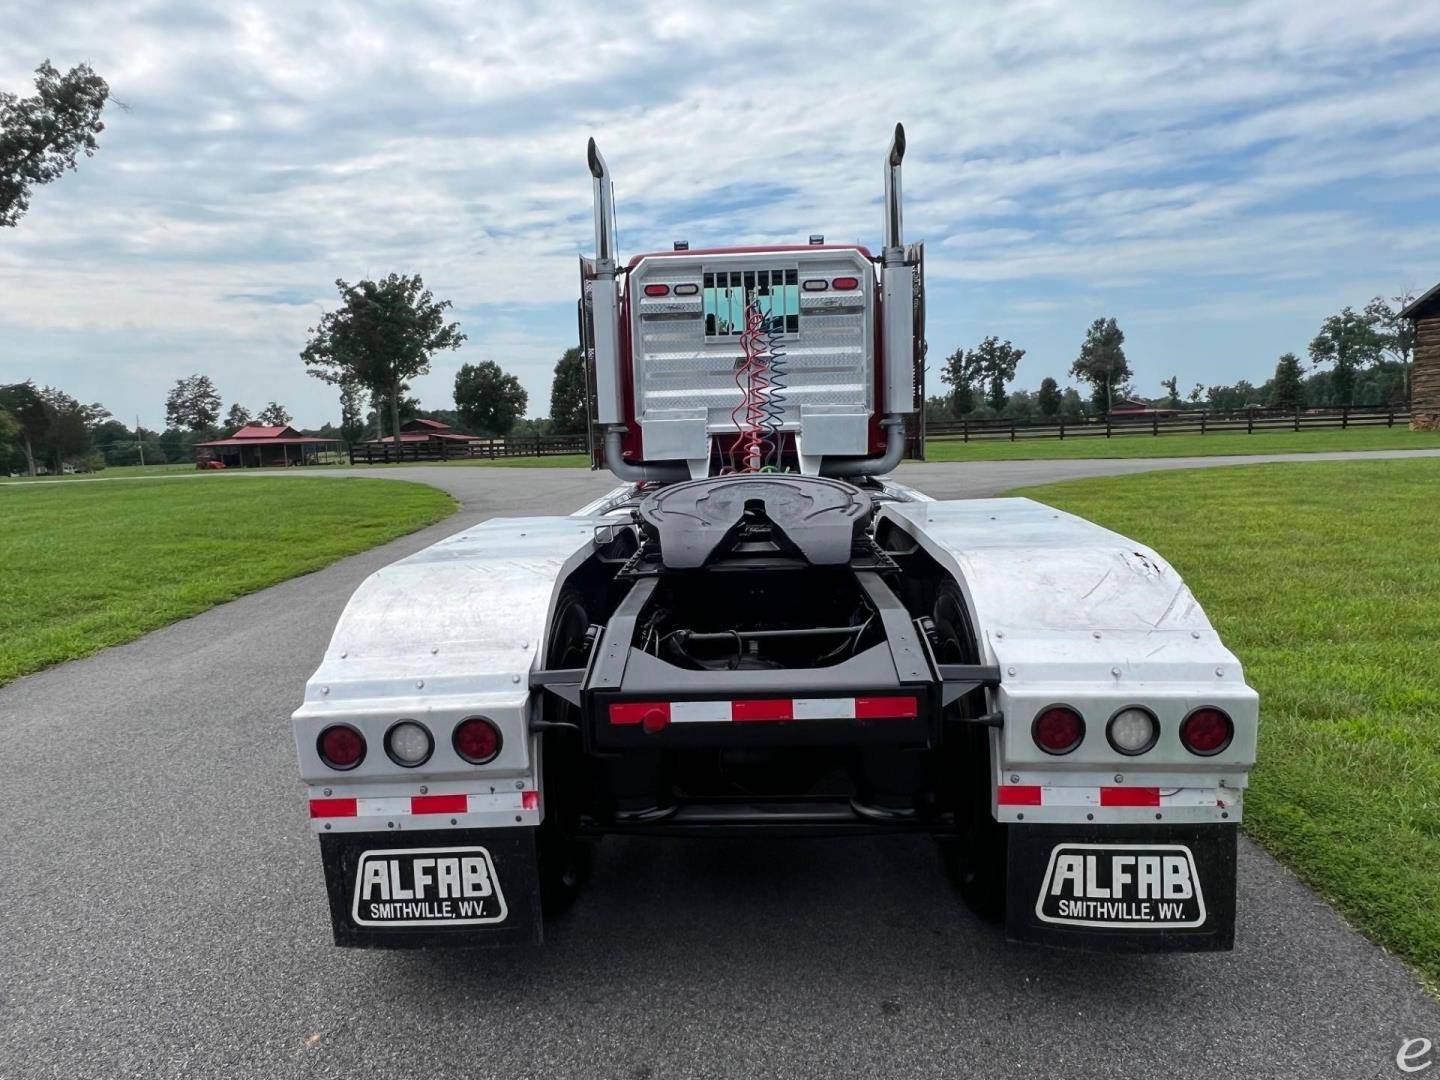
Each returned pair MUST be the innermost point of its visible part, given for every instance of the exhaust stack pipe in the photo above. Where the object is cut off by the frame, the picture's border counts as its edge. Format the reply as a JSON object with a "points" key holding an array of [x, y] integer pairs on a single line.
{"points": [[894, 242], [897, 332], [604, 209]]}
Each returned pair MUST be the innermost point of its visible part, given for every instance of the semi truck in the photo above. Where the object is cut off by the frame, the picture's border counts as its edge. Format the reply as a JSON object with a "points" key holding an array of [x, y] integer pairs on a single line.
{"points": [[760, 632]]}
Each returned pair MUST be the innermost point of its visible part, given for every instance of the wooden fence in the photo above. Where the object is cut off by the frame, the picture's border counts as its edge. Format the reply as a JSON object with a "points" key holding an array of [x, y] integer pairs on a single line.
{"points": [[1248, 421], [444, 450]]}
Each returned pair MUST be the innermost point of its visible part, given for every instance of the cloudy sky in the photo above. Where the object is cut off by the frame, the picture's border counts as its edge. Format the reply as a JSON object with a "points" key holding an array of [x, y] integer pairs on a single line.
{"points": [[1218, 178]]}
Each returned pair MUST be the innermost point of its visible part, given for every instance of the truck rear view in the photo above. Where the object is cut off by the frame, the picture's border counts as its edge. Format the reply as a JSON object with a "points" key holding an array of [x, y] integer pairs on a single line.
{"points": [[760, 633]]}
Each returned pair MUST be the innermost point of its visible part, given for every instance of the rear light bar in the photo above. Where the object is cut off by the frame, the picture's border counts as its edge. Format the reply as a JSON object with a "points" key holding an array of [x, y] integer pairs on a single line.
{"points": [[657, 715]]}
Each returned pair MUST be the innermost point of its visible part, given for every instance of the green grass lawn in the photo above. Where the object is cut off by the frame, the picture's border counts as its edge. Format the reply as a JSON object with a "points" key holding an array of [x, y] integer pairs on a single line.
{"points": [[1145, 446], [113, 472], [84, 566], [1324, 579]]}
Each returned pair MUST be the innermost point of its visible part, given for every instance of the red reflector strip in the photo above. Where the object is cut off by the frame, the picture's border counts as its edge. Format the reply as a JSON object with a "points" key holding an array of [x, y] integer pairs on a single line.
{"points": [[885, 708], [530, 800], [1136, 796], [635, 712], [332, 808], [439, 804], [1018, 795], [753, 712]]}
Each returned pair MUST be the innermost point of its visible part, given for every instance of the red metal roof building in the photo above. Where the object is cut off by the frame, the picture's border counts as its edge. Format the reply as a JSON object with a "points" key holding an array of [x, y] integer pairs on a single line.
{"points": [[257, 445], [420, 440]]}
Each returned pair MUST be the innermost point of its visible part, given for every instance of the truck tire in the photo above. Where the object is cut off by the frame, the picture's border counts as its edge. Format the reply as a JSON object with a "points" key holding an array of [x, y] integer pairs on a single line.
{"points": [[975, 855]]}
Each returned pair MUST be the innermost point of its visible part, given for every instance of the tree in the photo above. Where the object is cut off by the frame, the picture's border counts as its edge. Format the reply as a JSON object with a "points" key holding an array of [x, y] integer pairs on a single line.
{"points": [[237, 417], [1172, 386], [567, 395], [1234, 398], [41, 135], [9, 434], [29, 411], [352, 416], [1021, 405], [1049, 396], [382, 336], [68, 435], [1397, 335], [1071, 407], [489, 400], [273, 415], [406, 408], [192, 403], [959, 374], [1101, 362], [1196, 393], [1287, 391], [995, 362], [1351, 342]]}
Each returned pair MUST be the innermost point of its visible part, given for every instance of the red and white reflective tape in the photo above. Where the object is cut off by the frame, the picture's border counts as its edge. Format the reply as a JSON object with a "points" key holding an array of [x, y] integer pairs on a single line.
{"points": [[418, 805], [659, 714], [1041, 795]]}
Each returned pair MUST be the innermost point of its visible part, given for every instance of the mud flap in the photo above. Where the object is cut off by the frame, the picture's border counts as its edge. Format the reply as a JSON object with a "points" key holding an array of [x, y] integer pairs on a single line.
{"points": [[1113, 888], [452, 888]]}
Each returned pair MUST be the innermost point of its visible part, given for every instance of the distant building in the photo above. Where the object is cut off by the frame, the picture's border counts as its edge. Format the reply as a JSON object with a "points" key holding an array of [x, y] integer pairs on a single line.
{"points": [[258, 445], [1424, 314], [420, 440], [1139, 407]]}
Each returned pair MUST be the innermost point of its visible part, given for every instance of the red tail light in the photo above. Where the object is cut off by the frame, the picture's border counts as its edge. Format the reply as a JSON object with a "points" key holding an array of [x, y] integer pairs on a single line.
{"points": [[846, 283], [657, 290], [1206, 732], [1058, 730], [477, 740], [341, 747]]}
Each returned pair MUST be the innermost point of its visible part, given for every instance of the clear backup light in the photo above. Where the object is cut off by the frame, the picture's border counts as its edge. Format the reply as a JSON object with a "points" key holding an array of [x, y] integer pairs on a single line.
{"points": [[409, 744], [341, 747], [1133, 731]]}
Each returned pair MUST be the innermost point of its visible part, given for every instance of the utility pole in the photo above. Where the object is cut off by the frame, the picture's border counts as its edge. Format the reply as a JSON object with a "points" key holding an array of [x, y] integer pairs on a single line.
{"points": [[140, 438]]}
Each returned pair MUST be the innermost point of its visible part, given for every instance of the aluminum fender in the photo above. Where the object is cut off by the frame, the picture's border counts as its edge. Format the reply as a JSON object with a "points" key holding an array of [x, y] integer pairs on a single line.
{"points": [[449, 632], [1073, 613]]}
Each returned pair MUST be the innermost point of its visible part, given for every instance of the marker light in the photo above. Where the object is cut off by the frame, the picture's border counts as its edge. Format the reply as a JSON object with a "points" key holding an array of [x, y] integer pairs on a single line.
{"points": [[409, 744], [657, 290], [477, 740], [1058, 730], [341, 747], [1206, 732], [1132, 731]]}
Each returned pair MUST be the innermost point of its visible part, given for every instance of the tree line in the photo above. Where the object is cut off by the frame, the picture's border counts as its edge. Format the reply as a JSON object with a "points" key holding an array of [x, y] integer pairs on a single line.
{"points": [[1356, 357]]}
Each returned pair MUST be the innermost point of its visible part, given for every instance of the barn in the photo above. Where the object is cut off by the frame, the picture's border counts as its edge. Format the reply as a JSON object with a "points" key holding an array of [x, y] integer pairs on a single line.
{"points": [[259, 445], [1424, 315], [420, 440]]}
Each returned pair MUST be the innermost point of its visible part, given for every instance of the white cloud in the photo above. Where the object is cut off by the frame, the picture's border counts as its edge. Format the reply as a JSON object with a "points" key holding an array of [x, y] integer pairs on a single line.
{"points": [[1065, 159]]}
